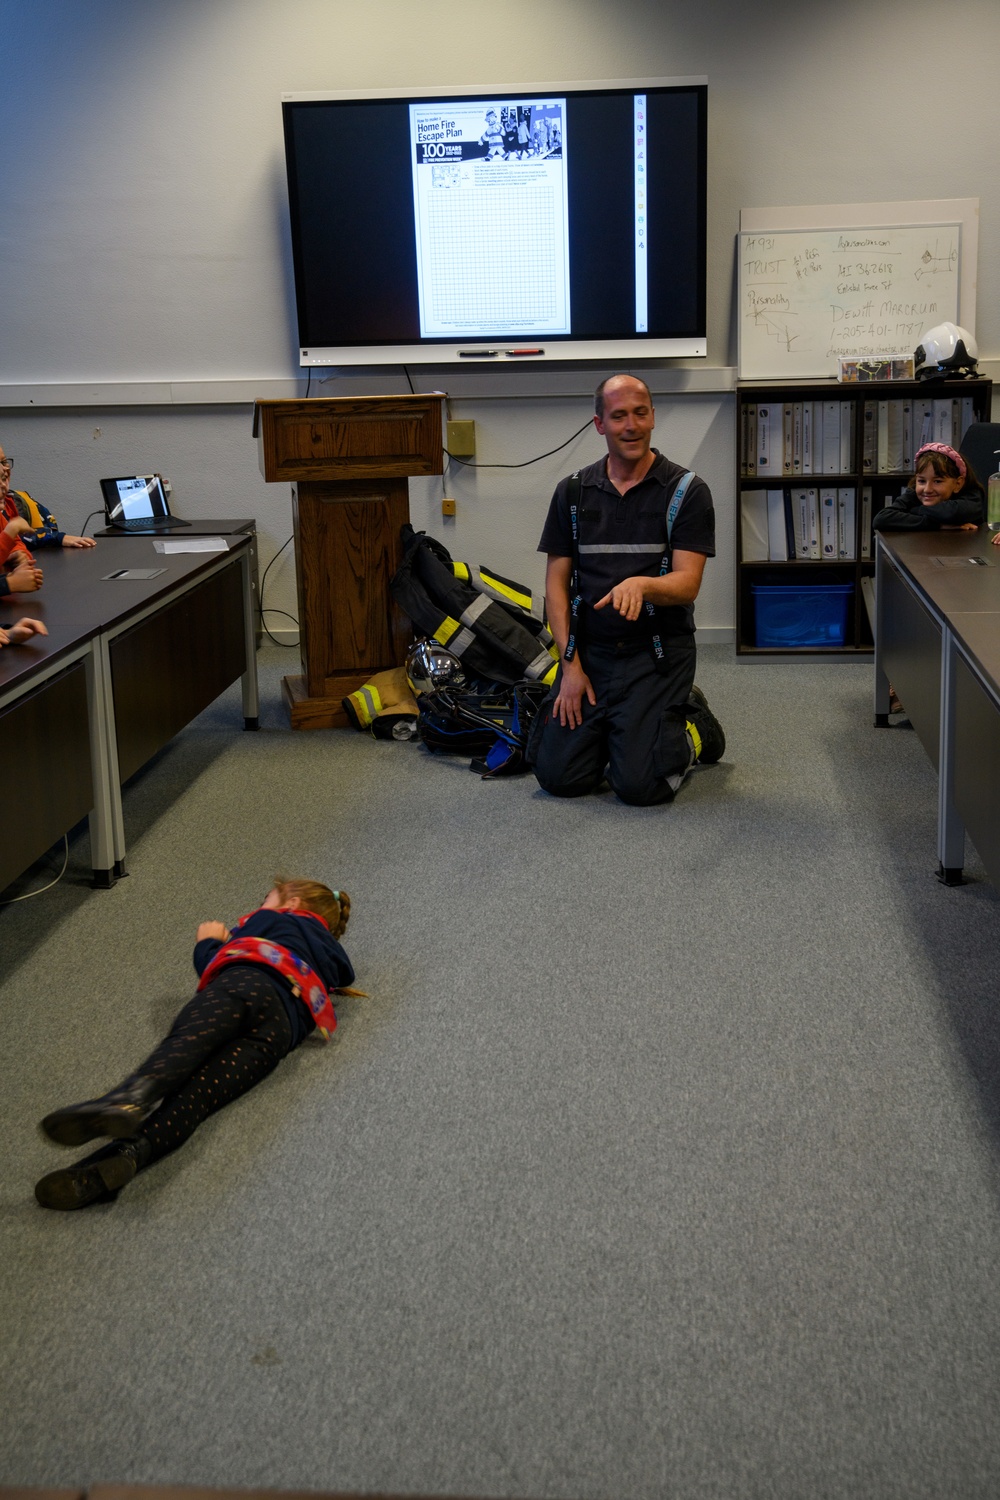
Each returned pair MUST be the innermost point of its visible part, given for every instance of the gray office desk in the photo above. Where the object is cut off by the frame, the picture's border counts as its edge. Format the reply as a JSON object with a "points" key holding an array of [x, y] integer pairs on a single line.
{"points": [[126, 664], [224, 527], [937, 640], [51, 705]]}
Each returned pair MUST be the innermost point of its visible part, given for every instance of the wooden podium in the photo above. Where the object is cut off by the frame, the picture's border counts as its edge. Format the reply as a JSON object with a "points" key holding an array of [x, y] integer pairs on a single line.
{"points": [[347, 459]]}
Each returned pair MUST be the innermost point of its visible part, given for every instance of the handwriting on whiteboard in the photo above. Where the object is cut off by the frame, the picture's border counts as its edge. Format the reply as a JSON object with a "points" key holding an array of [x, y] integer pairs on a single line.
{"points": [[810, 298]]}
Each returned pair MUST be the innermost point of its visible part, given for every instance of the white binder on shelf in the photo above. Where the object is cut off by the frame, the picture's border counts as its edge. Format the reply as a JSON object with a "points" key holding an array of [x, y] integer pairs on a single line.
{"points": [[777, 532], [846, 542], [800, 523], [828, 523], [770, 439], [753, 526], [831, 437]]}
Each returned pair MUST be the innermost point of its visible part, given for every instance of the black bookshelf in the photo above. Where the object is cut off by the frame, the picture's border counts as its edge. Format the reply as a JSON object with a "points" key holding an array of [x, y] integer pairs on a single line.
{"points": [[878, 426]]}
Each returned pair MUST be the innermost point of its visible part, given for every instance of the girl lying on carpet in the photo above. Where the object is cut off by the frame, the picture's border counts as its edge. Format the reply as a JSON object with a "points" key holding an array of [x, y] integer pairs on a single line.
{"points": [[264, 987]]}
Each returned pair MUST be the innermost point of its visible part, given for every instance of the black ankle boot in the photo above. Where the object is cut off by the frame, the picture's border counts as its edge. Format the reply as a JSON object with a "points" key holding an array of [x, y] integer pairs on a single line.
{"points": [[118, 1114], [97, 1178], [710, 745]]}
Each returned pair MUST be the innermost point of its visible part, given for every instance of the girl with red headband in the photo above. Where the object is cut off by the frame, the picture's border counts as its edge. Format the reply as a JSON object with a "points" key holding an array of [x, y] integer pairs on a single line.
{"points": [[943, 495]]}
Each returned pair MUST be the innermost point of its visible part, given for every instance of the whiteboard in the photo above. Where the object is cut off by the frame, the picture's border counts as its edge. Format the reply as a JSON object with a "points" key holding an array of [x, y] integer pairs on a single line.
{"points": [[808, 297]]}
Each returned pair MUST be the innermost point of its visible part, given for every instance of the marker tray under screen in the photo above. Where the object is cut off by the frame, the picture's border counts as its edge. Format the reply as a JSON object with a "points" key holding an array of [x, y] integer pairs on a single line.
{"points": [[793, 615]]}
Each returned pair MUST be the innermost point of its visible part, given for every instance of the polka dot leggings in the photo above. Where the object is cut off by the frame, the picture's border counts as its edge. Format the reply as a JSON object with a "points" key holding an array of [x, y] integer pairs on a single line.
{"points": [[231, 1035]]}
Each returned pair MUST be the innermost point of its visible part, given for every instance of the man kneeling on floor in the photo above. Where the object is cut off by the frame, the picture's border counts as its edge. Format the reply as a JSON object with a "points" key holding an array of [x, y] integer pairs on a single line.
{"points": [[627, 539]]}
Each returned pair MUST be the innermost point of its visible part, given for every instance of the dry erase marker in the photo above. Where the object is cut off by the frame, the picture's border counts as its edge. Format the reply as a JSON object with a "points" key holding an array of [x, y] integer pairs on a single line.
{"points": [[478, 353], [514, 353]]}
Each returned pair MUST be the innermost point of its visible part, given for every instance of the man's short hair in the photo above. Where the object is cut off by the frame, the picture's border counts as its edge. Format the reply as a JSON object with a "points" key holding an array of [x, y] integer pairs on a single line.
{"points": [[622, 375]]}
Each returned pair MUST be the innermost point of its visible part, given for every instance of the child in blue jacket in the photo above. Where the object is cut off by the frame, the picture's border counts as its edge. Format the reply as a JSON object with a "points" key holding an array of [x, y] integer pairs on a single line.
{"points": [[263, 988], [44, 531]]}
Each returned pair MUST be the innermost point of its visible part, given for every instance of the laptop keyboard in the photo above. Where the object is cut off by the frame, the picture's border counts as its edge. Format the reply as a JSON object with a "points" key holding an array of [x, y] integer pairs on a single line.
{"points": [[149, 523]]}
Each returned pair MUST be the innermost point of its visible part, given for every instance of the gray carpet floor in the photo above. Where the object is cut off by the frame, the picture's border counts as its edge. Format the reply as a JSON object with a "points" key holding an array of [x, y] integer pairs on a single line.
{"points": [[661, 1161]]}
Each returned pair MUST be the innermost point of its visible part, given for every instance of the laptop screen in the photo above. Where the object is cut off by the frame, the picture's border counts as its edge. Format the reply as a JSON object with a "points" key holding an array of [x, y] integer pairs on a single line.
{"points": [[136, 497]]}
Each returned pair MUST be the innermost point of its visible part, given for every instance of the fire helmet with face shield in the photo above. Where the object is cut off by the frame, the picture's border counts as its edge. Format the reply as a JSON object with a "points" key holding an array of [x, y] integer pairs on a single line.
{"points": [[945, 350]]}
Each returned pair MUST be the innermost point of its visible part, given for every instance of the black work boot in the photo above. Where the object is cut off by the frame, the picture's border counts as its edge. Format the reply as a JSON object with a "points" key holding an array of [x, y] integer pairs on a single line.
{"points": [[704, 728], [97, 1178], [118, 1114]]}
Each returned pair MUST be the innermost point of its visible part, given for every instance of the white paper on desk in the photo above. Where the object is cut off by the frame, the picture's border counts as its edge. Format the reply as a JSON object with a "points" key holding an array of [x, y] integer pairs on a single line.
{"points": [[194, 544]]}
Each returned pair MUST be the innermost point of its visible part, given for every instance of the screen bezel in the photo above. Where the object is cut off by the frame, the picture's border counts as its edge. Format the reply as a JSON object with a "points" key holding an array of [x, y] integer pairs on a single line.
{"points": [[497, 350]]}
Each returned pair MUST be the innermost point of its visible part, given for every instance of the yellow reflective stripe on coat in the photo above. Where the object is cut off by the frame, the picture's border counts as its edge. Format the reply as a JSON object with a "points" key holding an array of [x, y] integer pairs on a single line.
{"points": [[446, 630], [454, 635], [367, 703], [695, 738], [501, 588]]}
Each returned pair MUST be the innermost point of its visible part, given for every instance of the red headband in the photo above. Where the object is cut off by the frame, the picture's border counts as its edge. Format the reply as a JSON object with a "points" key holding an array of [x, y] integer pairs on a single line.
{"points": [[956, 458]]}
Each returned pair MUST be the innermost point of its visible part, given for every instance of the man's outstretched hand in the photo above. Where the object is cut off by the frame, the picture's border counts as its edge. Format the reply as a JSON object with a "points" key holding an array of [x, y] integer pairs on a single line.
{"points": [[626, 597]]}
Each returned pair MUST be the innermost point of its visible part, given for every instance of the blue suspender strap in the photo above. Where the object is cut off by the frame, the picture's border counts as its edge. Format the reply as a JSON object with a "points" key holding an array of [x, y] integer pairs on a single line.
{"points": [[573, 494], [672, 509]]}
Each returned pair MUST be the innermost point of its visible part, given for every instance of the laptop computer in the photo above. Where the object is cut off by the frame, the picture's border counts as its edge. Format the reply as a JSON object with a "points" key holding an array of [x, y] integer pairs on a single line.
{"points": [[138, 503]]}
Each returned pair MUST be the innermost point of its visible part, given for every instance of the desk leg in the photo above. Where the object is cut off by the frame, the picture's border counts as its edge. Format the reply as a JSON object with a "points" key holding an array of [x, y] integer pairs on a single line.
{"points": [[251, 697], [881, 680], [101, 820], [951, 829], [114, 774]]}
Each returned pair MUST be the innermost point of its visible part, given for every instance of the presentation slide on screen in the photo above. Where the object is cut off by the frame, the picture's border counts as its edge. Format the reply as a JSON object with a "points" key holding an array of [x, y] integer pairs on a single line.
{"points": [[135, 498], [491, 220]]}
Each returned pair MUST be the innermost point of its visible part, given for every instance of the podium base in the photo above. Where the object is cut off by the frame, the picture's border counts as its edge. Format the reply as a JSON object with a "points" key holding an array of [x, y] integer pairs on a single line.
{"points": [[323, 712]]}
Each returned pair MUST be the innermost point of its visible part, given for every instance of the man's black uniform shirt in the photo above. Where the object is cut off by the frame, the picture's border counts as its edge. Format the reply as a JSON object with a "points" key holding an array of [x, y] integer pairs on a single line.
{"points": [[624, 536]]}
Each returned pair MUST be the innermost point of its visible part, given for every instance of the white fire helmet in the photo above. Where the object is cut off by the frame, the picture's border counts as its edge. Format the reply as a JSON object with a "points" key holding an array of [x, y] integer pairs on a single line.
{"points": [[944, 350]]}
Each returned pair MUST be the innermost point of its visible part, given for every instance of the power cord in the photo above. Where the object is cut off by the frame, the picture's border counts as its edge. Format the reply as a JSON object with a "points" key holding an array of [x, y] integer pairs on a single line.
{"points": [[41, 890], [261, 611], [453, 458], [93, 513]]}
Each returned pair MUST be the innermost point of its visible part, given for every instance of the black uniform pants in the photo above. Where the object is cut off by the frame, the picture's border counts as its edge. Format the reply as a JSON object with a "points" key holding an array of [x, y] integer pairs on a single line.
{"points": [[636, 732]]}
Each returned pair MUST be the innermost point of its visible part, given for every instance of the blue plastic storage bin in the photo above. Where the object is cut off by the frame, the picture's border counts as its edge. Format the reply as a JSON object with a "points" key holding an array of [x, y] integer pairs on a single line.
{"points": [[791, 615]]}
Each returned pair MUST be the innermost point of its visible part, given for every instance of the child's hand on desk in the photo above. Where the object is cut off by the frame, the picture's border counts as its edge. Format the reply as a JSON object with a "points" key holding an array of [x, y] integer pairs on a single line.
{"points": [[78, 541], [25, 578], [996, 539], [965, 526], [16, 634], [213, 930]]}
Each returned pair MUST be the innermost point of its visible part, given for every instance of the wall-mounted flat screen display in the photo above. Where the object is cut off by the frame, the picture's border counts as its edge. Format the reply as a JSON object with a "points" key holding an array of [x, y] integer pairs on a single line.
{"points": [[527, 224]]}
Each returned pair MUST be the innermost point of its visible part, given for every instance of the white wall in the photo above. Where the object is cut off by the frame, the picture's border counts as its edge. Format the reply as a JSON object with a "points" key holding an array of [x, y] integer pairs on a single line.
{"points": [[143, 229]]}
